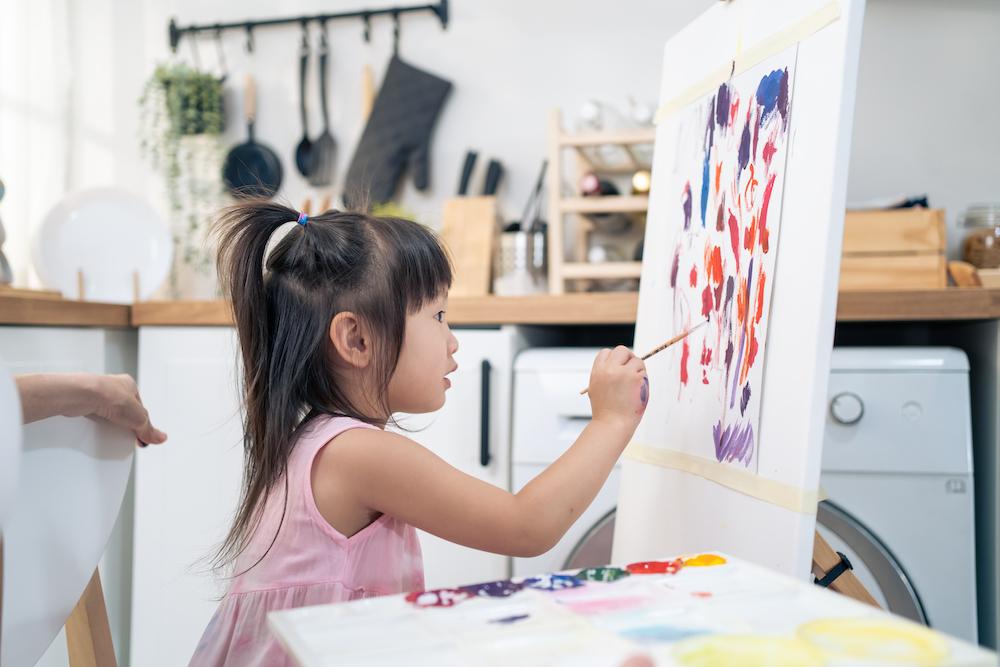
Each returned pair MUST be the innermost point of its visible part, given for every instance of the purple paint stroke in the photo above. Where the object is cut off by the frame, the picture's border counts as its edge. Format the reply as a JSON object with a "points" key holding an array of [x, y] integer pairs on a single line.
{"points": [[734, 443], [686, 205], [493, 589], [744, 399], [722, 106], [644, 390], [744, 157], [508, 620], [674, 267]]}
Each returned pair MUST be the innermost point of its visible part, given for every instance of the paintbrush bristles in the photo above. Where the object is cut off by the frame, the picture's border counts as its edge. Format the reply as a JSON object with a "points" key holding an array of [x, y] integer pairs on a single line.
{"points": [[660, 348]]}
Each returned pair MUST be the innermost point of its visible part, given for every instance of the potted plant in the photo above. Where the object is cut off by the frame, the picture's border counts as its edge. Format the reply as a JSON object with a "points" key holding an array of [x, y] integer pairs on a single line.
{"points": [[181, 123]]}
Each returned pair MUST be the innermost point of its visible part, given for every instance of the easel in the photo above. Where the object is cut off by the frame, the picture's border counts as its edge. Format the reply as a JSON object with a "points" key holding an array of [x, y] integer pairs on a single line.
{"points": [[833, 570], [88, 633]]}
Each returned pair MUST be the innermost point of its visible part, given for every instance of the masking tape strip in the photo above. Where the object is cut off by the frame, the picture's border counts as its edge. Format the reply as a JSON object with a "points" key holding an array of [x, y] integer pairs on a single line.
{"points": [[744, 60], [747, 483]]}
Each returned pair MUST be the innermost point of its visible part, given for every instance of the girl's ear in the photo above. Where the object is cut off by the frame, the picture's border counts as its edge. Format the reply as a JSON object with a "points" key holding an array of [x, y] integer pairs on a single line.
{"points": [[351, 339]]}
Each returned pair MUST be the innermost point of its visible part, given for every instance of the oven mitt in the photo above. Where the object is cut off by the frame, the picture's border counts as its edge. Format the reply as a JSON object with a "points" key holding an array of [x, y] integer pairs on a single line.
{"points": [[398, 134]]}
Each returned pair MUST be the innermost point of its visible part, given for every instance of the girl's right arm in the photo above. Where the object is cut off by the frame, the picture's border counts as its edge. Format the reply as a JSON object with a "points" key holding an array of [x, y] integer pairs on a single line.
{"points": [[371, 471]]}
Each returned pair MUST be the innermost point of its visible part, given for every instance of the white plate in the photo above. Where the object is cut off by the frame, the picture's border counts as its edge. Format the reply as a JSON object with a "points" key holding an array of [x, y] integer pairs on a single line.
{"points": [[108, 234]]}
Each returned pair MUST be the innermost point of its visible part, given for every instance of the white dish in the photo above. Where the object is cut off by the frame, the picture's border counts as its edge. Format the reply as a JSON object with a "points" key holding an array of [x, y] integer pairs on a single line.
{"points": [[109, 235]]}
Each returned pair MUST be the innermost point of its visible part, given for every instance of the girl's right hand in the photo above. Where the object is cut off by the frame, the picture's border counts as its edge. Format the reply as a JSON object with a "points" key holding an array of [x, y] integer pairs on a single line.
{"points": [[619, 387]]}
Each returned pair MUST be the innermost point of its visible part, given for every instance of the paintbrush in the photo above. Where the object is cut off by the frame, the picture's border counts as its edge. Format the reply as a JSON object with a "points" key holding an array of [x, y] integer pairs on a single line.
{"points": [[659, 348]]}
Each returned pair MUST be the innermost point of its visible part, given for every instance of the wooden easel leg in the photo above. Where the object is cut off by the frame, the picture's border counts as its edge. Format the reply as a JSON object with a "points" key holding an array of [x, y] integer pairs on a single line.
{"points": [[88, 634], [824, 559]]}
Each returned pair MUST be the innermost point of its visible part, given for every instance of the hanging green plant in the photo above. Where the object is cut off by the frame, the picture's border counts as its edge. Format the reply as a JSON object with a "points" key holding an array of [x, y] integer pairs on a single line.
{"points": [[181, 121]]}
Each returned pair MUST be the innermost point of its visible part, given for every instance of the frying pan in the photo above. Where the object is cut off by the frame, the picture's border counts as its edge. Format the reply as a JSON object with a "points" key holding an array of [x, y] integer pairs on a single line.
{"points": [[252, 169]]}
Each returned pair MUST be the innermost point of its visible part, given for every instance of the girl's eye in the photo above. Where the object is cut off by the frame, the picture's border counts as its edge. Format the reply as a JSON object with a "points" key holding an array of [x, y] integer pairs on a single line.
{"points": [[439, 316]]}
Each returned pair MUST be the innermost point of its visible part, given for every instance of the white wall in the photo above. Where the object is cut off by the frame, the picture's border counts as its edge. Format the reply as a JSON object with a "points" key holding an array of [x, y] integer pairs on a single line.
{"points": [[926, 106], [510, 62]]}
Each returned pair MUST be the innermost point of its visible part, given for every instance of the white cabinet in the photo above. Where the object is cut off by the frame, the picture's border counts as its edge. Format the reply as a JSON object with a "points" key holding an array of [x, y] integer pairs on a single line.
{"points": [[186, 492], [84, 350], [472, 433]]}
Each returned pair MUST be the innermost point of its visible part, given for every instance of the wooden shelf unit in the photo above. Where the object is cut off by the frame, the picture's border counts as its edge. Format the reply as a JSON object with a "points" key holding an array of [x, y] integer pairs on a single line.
{"points": [[577, 268]]}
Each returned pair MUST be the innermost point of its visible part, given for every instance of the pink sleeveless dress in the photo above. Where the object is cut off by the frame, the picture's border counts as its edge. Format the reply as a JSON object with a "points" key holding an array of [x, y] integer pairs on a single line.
{"points": [[310, 563]]}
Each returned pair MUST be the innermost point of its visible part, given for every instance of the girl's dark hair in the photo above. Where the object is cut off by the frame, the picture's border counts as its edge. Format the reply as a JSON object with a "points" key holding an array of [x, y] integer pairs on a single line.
{"points": [[378, 268]]}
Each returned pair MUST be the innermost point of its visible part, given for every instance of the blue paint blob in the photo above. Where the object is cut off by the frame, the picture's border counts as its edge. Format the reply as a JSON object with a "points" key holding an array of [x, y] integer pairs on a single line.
{"points": [[772, 93], [704, 186], [552, 582], [660, 633]]}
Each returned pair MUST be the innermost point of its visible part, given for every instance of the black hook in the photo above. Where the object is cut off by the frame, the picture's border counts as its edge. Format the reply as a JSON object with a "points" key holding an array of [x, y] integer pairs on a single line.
{"points": [[395, 32], [221, 53], [249, 29], [195, 57], [305, 36], [367, 18]]}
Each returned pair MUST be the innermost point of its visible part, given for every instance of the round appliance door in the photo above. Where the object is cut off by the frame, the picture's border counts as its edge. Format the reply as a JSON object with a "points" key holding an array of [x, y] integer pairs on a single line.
{"points": [[874, 564], [594, 548]]}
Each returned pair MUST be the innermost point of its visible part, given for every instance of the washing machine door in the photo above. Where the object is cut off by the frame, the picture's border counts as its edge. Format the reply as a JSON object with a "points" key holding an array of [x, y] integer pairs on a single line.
{"points": [[594, 548], [875, 566]]}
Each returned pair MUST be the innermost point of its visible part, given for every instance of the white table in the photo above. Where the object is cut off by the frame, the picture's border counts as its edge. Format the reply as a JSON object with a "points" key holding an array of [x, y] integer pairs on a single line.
{"points": [[736, 608]]}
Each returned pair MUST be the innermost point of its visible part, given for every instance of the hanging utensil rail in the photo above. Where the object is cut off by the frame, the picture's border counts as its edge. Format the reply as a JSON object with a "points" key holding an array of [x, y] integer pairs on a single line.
{"points": [[176, 32]]}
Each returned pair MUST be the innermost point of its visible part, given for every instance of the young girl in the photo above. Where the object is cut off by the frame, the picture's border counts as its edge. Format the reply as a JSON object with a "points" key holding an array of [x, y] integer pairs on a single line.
{"points": [[341, 324]]}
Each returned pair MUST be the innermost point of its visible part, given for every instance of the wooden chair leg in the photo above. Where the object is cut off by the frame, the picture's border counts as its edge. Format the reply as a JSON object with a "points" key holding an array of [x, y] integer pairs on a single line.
{"points": [[88, 633], [824, 559]]}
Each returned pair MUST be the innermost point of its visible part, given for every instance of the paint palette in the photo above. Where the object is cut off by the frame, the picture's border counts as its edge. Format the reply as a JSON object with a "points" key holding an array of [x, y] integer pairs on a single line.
{"points": [[702, 610]]}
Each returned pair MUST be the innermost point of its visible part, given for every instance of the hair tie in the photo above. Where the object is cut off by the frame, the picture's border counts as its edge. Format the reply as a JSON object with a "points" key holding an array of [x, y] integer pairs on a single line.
{"points": [[303, 219]]}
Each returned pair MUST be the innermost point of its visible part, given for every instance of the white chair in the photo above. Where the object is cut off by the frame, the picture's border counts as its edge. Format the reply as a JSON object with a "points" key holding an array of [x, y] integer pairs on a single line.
{"points": [[73, 475]]}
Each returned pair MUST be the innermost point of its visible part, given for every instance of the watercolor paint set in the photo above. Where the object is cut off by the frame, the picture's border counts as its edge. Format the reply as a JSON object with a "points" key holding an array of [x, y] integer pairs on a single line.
{"points": [[700, 611]]}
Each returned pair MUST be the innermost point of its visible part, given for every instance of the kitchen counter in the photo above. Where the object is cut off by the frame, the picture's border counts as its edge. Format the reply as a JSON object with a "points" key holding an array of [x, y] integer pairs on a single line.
{"points": [[569, 309], [42, 311]]}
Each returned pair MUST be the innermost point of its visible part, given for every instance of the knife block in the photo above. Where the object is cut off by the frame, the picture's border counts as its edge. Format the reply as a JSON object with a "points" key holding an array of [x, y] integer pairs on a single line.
{"points": [[469, 228]]}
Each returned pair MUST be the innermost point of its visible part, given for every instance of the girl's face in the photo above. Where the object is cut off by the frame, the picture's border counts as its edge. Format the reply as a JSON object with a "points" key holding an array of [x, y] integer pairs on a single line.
{"points": [[418, 385]]}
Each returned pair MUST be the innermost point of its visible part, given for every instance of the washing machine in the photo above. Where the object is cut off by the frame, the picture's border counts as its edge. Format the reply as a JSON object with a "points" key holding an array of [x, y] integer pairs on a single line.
{"points": [[897, 473], [548, 415]]}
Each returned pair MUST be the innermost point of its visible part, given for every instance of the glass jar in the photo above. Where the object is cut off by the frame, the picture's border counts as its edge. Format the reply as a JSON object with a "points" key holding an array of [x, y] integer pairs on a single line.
{"points": [[981, 246]]}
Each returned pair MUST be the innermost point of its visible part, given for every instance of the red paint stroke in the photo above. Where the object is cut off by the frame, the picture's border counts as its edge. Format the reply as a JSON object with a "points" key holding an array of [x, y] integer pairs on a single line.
{"points": [[734, 108], [751, 333], [765, 235], [694, 276], [769, 151], [760, 297], [701, 594], [704, 376], [685, 353], [750, 234], [443, 597], [718, 175], [706, 354], [734, 238], [751, 186], [656, 567], [706, 301], [741, 303]]}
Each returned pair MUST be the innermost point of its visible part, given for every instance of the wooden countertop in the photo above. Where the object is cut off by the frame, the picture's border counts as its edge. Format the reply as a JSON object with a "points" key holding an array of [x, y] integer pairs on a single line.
{"points": [[62, 312], [619, 308], [570, 309]]}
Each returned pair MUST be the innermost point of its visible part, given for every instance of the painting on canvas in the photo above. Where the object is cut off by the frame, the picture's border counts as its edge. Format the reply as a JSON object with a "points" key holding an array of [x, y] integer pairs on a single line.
{"points": [[723, 189]]}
